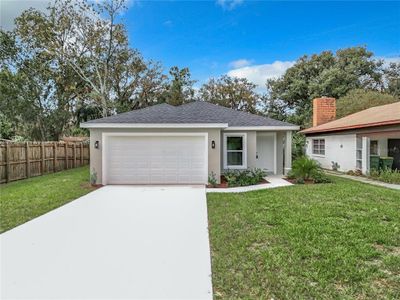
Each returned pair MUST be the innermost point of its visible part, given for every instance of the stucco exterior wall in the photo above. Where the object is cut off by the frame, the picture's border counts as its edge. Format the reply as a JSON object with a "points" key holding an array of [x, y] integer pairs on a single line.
{"points": [[252, 148], [215, 156], [214, 159], [340, 148], [280, 135]]}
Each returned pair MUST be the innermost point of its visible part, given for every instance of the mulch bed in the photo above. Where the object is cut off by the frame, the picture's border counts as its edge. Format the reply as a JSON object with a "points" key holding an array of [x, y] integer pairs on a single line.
{"points": [[310, 181], [224, 183]]}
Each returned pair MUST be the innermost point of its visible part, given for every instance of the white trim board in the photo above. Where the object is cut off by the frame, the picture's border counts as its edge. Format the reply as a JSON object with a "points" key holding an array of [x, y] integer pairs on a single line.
{"points": [[108, 134], [257, 128], [153, 125]]}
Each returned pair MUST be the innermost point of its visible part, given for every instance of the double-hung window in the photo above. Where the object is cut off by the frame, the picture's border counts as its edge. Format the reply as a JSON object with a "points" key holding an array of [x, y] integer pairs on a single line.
{"points": [[235, 156], [318, 146]]}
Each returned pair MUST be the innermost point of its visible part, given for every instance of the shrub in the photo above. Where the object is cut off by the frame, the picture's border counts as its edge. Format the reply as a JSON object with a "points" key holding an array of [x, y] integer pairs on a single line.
{"points": [[212, 179], [386, 175], [93, 177], [374, 173], [305, 168], [320, 177], [335, 166], [298, 145], [244, 177]]}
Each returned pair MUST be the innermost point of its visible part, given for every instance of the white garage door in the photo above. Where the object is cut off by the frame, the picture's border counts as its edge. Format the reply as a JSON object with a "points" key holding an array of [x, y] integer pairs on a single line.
{"points": [[155, 160]]}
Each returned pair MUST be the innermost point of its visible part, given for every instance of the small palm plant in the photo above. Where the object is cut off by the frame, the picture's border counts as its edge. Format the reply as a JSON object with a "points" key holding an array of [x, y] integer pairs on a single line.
{"points": [[305, 168]]}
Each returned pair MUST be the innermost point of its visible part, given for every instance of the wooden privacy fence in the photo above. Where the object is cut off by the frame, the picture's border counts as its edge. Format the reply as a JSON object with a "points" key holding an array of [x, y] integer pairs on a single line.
{"points": [[29, 159]]}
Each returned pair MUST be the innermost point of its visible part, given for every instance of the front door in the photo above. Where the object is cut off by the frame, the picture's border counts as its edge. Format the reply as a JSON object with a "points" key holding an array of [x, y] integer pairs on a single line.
{"points": [[394, 151], [266, 153]]}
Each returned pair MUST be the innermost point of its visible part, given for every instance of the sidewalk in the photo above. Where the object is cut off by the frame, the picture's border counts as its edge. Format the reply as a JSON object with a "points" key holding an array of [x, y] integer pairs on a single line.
{"points": [[365, 180]]}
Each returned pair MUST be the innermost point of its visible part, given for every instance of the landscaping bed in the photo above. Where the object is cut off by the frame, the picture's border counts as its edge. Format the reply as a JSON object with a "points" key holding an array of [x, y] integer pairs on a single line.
{"points": [[224, 183], [306, 171], [321, 241], [235, 178], [295, 181]]}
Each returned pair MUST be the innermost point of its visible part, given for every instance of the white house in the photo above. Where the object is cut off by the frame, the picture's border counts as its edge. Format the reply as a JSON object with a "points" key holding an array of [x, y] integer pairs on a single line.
{"points": [[351, 140]]}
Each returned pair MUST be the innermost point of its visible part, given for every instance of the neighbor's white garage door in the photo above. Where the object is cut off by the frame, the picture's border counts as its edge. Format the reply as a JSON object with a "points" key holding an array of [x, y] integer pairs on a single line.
{"points": [[155, 160]]}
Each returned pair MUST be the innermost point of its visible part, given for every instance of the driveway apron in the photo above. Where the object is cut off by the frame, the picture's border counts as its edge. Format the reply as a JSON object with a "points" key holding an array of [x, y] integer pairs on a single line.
{"points": [[118, 242]]}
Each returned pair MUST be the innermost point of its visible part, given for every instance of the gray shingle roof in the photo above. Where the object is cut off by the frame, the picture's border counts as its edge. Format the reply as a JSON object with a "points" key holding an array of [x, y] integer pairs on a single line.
{"points": [[194, 112]]}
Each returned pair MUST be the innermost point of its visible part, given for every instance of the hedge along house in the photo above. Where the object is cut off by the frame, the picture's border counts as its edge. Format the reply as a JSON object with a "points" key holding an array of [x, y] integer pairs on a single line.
{"points": [[351, 140], [165, 144]]}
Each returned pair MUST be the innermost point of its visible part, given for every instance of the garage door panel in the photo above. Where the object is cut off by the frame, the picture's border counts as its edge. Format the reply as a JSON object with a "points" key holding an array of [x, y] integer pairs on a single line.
{"points": [[156, 159]]}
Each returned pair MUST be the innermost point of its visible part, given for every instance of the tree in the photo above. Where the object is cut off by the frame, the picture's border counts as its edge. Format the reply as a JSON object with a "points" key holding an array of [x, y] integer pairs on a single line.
{"points": [[180, 87], [392, 79], [140, 85], [357, 100], [325, 74], [232, 92], [37, 89], [69, 65], [85, 37]]}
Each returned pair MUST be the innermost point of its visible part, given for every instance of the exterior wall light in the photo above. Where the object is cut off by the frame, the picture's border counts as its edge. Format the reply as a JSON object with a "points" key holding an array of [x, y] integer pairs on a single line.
{"points": [[96, 144], [213, 144]]}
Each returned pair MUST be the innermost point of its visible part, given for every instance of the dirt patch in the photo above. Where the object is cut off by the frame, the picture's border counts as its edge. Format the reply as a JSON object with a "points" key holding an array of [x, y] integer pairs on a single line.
{"points": [[256, 247], [88, 186], [395, 251], [380, 248], [391, 250]]}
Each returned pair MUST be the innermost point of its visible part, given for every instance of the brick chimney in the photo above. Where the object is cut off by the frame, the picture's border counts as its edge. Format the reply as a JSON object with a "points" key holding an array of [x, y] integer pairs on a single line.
{"points": [[324, 110]]}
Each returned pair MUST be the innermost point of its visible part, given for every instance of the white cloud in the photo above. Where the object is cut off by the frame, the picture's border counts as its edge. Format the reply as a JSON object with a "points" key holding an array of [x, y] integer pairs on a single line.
{"points": [[258, 74], [240, 63], [168, 23], [229, 4], [10, 9], [389, 59]]}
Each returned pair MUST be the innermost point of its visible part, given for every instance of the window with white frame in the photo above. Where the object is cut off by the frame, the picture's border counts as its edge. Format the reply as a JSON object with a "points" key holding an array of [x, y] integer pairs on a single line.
{"points": [[318, 146], [235, 151], [373, 147]]}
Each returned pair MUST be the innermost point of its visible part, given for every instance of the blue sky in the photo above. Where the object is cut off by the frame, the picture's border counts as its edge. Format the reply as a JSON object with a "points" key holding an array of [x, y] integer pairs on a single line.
{"points": [[252, 39], [217, 37]]}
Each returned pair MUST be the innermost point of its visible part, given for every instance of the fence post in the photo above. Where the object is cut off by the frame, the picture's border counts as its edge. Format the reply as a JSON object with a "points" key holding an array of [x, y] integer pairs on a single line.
{"points": [[74, 154], [66, 156], [81, 154], [8, 162], [27, 161], [55, 156], [42, 154]]}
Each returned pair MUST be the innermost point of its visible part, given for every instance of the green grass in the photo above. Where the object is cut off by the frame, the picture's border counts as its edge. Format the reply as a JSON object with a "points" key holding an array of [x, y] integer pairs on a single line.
{"points": [[23, 200], [326, 241]]}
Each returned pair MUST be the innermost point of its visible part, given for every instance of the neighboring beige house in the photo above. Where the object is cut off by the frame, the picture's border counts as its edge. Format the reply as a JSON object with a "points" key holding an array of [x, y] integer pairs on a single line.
{"points": [[164, 144], [351, 140]]}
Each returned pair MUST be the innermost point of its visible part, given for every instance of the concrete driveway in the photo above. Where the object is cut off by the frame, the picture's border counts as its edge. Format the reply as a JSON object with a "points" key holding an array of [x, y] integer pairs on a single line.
{"points": [[117, 242]]}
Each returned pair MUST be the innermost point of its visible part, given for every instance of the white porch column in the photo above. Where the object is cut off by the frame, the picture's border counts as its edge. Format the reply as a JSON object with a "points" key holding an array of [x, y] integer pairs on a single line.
{"points": [[365, 155], [288, 152]]}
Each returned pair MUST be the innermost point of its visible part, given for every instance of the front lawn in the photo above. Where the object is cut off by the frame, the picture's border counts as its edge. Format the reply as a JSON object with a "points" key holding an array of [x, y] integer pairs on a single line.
{"points": [[24, 200], [323, 241]]}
